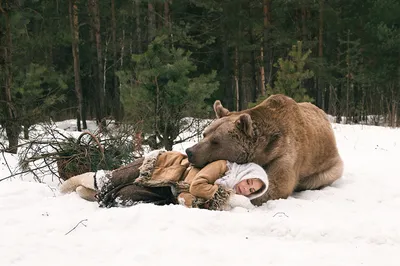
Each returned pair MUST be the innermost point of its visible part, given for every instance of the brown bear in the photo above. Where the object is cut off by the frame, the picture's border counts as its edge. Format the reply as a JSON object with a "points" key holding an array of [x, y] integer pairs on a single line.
{"points": [[294, 142]]}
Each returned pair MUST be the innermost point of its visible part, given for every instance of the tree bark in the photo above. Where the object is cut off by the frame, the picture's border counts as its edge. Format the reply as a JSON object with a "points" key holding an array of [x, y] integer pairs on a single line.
{"points": [[138, 27], [26, 130], [253, 89], [74, 24], [11, 124], [348, 77], [226, 72], [167, 18], [320, 101], [266, 47], [151, 26], [236, 77], [303, 24], [95, 24], [393, 105], [262, 73], [157, 109], [116, 106], [397, 100]]}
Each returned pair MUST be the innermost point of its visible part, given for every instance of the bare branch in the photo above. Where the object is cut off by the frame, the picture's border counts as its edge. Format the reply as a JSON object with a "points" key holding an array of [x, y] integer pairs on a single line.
{"points": [[23, 172], [81, 222], [5, 160]]}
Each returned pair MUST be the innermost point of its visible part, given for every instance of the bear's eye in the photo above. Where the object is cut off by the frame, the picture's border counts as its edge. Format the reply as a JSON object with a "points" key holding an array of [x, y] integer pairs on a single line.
{"points": [[204, 135]]}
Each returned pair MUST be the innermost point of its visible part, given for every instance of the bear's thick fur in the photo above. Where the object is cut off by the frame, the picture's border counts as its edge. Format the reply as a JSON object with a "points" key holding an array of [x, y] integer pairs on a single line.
{"points": [[294, 142]]}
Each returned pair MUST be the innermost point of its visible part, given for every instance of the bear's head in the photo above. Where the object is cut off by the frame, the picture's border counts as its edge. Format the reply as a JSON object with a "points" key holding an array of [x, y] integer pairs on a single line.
{"points": [[230, 137]]}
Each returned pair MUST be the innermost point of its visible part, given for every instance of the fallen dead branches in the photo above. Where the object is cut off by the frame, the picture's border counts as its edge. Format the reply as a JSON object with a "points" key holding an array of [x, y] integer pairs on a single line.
{"points": [[80, 222], [63, 154]]}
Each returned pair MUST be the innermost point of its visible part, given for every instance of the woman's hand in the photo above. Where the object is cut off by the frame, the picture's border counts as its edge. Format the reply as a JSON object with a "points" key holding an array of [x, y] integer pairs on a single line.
{"points": [[236, 200]]}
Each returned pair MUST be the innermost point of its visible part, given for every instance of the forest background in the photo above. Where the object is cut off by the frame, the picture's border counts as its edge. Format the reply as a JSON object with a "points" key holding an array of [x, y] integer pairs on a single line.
{"points": [[153, 63]]}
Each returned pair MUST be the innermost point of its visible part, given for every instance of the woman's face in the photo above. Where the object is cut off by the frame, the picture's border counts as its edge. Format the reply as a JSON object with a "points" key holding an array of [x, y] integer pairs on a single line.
{"points": [[248, 186]]}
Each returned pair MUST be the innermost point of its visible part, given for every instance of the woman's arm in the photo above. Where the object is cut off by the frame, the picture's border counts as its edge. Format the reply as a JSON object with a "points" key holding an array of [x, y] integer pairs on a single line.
{"points": [[203, 183]]}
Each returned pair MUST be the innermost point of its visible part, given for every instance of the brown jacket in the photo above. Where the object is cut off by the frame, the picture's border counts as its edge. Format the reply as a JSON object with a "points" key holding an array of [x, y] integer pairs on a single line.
{"points": [[191, 186], [173, 168]]}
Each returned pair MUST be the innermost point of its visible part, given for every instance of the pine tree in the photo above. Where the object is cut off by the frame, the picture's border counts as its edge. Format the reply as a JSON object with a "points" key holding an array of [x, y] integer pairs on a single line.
{"points": [[165, 91], [39, 90], [291, 75]]}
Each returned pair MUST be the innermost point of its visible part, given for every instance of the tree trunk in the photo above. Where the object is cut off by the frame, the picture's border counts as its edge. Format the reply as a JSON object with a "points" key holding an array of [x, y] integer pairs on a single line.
{"points": [[108, 100], [226, 72], [348, 76], [168, 143], [236, 77], [151, 26], [397, 100], [266, 47], [332, 101], [167, 17], [157, 109], [11, 124], [320, 87], [303, 24], [253, 89], [138, 29], [95, 24], [74, 24], [116, 106], [244, 84], [121, 58], [262, 73], [26, 130], [393, 105]]}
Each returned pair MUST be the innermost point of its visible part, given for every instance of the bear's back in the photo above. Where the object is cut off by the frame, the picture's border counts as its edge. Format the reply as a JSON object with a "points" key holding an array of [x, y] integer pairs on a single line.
{"points": [[304, 127]]}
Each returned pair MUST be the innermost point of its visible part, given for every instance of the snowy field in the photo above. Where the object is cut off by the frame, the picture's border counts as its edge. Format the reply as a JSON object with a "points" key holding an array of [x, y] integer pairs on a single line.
{"points": [[354, 222]]}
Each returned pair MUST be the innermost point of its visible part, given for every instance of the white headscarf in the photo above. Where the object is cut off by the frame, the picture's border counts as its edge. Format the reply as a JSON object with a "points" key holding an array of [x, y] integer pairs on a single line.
{"points": [[238, 172]]}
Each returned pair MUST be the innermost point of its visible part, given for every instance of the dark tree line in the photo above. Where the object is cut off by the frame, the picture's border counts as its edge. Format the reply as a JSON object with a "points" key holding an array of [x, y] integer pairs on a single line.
{"points": [[74, 58]]}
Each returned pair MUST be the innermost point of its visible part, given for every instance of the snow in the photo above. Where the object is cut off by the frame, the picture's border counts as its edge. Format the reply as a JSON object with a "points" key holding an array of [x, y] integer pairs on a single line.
{"points": [[356, 221]]}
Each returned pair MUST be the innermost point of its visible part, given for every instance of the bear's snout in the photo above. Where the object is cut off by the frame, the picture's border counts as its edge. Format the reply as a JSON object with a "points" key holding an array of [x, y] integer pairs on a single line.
{"points": [[194, 159], [189, 154]]}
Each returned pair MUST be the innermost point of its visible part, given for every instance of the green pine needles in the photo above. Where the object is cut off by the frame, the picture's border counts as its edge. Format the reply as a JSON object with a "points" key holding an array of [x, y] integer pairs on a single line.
{"points": [[163, 88], [292, 74]]}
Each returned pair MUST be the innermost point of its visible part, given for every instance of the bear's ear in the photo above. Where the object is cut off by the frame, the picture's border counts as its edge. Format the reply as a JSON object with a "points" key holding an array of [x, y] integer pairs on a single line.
{"points": [[219, 110], [244, 123]]}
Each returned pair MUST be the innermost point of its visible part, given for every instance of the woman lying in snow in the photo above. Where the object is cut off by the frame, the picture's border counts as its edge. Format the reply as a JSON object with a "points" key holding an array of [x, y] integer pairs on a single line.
{"points": [[166, 177]]}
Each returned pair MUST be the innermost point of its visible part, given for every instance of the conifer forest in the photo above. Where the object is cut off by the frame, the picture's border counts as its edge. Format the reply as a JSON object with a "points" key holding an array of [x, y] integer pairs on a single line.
{"points": [[153, 63]]}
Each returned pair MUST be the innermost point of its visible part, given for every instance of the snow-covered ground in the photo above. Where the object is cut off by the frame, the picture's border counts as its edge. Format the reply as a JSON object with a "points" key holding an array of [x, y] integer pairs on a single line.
{"points": [[354, 222]]}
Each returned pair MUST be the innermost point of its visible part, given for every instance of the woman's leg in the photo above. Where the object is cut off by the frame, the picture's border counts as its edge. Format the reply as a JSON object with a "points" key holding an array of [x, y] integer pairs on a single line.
{"points": [[86, 193], [85, 180], [132, 194], [126, 174]]}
